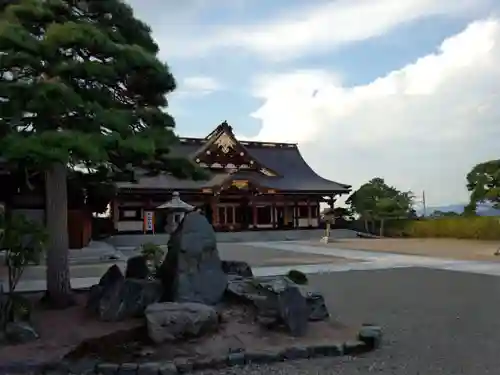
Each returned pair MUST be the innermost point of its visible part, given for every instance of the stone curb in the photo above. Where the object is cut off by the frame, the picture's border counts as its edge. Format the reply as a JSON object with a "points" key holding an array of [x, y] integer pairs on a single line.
{"points": [[369, 338]]}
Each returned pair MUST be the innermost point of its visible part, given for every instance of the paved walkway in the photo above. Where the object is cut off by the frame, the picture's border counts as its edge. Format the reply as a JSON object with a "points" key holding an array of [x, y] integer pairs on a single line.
{"points": [[381, 260], [354, 260]]}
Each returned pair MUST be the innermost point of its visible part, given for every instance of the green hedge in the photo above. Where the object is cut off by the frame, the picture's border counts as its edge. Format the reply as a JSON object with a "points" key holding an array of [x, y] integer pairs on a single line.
{"points": [[473, 227]]}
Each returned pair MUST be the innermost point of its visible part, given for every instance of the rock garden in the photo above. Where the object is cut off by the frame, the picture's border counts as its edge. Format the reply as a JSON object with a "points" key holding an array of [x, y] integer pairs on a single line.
{"points": [[188, 310]]}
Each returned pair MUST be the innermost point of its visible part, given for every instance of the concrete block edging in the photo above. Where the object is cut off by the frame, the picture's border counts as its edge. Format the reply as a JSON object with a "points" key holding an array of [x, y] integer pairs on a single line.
{"points": [[368, 339]]}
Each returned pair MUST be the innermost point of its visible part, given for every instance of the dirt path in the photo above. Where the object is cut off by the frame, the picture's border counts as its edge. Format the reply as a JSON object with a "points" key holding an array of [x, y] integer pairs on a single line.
{"points": [[440, 248]]}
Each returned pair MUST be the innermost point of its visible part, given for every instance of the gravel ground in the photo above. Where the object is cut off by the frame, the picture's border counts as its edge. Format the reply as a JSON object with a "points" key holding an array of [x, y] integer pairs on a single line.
{"points": [[435, 323]]}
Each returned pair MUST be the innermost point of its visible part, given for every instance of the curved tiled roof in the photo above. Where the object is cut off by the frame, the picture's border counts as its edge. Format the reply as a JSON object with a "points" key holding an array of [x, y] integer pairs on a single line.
{"points": [[295, 175]]}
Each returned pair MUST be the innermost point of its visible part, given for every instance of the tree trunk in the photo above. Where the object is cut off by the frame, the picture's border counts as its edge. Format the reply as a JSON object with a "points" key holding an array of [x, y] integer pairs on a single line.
{"points": [[366, 225], [381, 228], [59, 294]]}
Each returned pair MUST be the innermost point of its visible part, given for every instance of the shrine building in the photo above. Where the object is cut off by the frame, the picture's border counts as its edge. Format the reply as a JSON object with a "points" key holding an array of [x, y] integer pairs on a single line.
{"points": [[250, 186]]}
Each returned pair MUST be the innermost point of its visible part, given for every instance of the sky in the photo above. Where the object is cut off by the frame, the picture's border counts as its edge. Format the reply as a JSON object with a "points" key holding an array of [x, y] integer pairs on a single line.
{"points": [[405, 90]]}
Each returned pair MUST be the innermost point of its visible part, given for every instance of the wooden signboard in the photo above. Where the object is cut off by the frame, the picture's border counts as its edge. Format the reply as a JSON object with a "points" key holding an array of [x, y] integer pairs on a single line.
{"points": [[149, 222]]}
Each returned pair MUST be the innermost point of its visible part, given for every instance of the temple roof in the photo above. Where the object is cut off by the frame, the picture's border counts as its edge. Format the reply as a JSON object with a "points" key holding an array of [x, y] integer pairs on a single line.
{"points": [[278, 166]]}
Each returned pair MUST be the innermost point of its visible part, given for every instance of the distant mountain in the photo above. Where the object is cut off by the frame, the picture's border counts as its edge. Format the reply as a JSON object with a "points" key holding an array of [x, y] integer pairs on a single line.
{"points": [[482, 209]]}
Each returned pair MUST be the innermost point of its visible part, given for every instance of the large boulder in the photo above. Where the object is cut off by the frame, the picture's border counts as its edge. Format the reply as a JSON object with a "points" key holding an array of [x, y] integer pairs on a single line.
{"points": [[316, 305], [283, 302], [192, 269], [116, 298], [111, 276], [243, 289], [263, 291], [137, 268], [169, 321]]}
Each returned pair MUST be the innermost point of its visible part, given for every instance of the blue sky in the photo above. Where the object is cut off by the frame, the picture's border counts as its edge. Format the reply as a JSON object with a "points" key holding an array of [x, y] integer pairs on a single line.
{"points": [[401, 89]]}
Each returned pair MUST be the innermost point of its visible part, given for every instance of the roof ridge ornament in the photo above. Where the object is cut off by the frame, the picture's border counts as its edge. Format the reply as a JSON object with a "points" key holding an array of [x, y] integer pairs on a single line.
{"points": [[225, 142], [224, 125]]}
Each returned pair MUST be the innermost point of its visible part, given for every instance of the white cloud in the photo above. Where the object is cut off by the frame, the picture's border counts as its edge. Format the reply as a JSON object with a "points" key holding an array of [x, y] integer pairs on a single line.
{"points": [[198, 85], [421, 127], [319, 26]]}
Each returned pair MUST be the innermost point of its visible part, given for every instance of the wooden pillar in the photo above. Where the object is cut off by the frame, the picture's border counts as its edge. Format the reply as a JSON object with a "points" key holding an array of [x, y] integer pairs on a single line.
{"points": [[115, 213], [309, 214], [215, 211], [273, 213], [254, 214], [295, 214]]}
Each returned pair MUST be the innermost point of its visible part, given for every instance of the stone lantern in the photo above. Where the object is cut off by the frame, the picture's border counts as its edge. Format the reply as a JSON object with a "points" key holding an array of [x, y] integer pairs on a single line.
{"points": [[175, 209], [329, 218]]}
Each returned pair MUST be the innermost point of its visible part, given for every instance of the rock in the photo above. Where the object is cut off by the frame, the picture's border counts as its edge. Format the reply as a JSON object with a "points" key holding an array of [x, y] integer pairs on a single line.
{"points": [[20, 332], [128, 369], [314, 300], [282, 300], [263, 292], [293, 310], [353, 347], [125, 299], [233, 267], [192, 270], [107, 368], [116, 298], [111, 276], [168, 368], [236, 359], [371, 335], [295, 352], [169, 321], [94, 297], [316, 305], [148, 368], [242, 288], [137, 268]]}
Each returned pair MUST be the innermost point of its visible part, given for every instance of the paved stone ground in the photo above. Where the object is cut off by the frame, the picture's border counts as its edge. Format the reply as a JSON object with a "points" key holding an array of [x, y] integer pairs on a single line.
{"points": [[83, 273], [435, 323], [263, 256], [384, 259]]}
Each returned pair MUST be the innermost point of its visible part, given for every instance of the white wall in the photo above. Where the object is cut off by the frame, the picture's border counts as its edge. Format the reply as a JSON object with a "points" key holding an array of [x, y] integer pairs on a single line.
{"points": [[123, 226]]}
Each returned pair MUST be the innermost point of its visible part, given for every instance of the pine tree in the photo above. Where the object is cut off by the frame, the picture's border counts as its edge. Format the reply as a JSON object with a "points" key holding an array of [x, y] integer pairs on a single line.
{"points": [[81, 85]]}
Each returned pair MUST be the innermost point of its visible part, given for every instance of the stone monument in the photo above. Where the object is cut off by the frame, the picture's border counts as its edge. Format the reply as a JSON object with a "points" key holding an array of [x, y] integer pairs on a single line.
{"points": [[192, 269]]}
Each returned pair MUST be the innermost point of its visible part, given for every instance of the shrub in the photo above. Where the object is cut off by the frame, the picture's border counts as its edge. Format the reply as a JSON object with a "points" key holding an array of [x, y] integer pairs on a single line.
{"points": [[153, 254], [24, 243], [476, 227], [297, 277], [463, 227]]}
